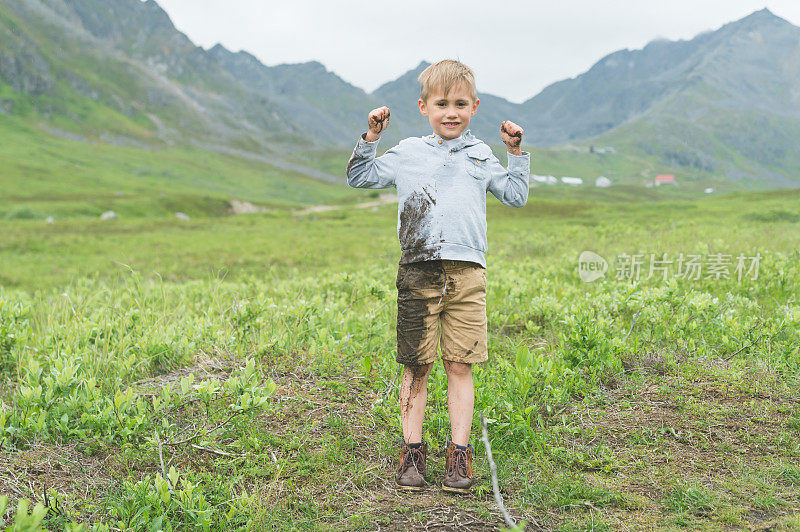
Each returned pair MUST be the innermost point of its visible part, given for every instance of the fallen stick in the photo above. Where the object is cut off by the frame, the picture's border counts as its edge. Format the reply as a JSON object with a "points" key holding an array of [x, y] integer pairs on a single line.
{"points": [[495, 485]]}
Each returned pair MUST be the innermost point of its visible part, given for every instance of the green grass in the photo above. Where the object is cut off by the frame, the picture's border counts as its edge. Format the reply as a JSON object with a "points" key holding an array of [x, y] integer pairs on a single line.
{"points": [[268, 340], [51, 176]]}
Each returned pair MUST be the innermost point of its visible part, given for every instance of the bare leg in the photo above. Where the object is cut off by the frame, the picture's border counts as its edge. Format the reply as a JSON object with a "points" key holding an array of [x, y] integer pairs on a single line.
{"points": [[460, 400], [413, 399]]}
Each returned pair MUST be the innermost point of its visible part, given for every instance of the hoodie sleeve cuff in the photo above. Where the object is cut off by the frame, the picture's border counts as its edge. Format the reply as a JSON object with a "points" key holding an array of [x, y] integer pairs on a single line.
{"points": [[366, 149], [519, 164]]}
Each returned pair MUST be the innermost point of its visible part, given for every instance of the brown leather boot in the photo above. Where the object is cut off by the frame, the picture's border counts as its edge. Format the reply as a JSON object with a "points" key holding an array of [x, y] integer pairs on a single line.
{"points": [[458, 469], [411, 473]]}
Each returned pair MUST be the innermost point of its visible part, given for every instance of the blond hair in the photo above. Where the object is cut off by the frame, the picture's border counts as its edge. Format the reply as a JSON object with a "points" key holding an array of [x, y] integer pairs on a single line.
{"points": [[444, 75]]}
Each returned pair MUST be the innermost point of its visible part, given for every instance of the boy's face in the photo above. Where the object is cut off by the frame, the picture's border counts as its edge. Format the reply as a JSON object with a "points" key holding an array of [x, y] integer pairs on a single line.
{"points": [[449, 114]]}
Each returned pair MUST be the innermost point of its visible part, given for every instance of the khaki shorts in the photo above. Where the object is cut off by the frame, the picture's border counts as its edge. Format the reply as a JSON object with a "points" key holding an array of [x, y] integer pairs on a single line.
{"points": [[450, 292]]}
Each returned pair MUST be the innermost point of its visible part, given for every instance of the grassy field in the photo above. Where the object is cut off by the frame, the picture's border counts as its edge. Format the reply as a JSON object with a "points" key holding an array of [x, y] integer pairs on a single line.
{"points": [[238, 372], [47, 175]]}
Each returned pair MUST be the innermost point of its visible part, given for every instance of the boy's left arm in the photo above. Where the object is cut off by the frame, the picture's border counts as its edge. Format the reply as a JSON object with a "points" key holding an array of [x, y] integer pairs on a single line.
{"points": [[511, 186]]}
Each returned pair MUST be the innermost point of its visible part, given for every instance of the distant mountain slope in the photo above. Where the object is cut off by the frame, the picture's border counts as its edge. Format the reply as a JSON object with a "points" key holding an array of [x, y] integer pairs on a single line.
{"points": [[724, 103], [119, 68], [749, 65], [303, 93]]}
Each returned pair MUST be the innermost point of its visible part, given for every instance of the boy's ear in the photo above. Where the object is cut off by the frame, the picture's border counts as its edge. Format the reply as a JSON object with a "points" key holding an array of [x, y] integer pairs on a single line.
{"points": [[475, 106], [422, 108]]}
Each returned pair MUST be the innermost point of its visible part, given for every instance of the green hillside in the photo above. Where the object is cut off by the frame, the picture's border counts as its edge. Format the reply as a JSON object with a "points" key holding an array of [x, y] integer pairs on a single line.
{"points": [[44, 175], [717, 110]]}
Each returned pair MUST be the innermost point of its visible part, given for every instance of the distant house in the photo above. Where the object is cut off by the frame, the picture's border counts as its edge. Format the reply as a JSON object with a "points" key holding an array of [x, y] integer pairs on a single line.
{"points": [[574, 181], [665, 179], [709, 190], [602, 181], [607, 149]]}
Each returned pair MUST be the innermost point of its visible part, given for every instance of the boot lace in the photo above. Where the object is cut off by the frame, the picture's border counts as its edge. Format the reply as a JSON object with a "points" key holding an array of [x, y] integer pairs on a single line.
{"points": [[413, 457], [458, 463]]}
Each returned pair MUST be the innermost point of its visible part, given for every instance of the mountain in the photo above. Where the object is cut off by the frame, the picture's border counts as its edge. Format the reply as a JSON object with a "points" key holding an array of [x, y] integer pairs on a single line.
{"points": [[119, 70], [303, 92], [725, 103]]}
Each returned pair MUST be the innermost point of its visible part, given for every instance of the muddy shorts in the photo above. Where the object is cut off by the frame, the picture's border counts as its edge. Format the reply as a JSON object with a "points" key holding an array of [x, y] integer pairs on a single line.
{"points": [[441, 299]]}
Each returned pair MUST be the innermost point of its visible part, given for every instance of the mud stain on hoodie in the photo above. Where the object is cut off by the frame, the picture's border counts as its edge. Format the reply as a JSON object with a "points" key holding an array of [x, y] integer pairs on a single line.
{"points": [[415, 228]]}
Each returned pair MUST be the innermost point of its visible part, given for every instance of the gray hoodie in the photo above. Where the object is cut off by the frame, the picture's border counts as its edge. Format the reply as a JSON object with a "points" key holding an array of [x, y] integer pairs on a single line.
{"points": [[441, 187]]}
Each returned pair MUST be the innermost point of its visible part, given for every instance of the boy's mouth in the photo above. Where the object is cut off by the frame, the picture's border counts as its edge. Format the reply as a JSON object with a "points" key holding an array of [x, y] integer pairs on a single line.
{"points": [[450, 124]]}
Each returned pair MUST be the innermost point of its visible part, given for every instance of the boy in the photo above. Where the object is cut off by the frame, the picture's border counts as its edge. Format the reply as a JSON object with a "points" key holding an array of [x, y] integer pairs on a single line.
{"points": [[441, 182]]}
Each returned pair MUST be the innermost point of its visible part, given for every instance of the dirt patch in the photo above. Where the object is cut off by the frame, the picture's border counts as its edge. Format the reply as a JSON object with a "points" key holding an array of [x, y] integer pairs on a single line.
{"points": [[207, 366], [383, 199], [31, 473], [359, 479], [666, 430], [244, 207]]}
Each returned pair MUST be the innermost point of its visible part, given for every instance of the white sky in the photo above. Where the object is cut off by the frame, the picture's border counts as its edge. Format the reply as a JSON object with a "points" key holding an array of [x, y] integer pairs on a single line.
{"points": [[515, 49]]}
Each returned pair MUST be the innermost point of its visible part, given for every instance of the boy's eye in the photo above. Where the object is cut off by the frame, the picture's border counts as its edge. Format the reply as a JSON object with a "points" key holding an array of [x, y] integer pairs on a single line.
{"points": [[441, 104]]}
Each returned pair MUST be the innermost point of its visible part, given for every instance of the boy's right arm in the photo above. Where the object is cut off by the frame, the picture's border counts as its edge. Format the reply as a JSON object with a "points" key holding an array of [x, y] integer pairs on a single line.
{"points": [[364, 170]]}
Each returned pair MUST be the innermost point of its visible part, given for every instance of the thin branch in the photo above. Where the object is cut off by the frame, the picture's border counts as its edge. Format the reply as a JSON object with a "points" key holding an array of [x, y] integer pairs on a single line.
{"points": [[161, 455], [751, 344], [632, 324], [495, 486], [214, 451], [200, 432]]}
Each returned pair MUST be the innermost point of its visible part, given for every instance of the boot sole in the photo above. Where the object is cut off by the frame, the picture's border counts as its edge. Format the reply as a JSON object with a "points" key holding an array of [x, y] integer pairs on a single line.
{"points": [[410, 488], [456, 490]]}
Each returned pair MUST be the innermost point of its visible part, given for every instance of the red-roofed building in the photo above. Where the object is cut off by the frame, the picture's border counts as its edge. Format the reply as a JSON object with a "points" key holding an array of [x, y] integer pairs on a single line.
{"points": [[665, 179]]}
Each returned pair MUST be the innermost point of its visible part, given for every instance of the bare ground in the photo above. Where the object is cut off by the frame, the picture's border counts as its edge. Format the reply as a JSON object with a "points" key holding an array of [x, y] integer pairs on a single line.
{"points": [[663, 434]]}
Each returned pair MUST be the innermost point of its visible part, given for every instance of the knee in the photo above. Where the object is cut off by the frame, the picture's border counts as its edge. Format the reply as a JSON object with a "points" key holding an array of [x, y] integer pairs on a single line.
{"points": [[420, 372], [457, 370]]}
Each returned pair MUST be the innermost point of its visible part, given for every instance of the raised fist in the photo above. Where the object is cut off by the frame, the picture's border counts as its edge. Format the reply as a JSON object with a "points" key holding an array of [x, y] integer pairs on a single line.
{"points": [[511, 134], [378, 121]]}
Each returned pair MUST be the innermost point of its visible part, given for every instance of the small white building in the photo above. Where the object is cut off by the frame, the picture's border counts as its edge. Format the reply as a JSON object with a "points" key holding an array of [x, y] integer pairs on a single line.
{"points": [[602, 181], [574, 181], [709, 190]]}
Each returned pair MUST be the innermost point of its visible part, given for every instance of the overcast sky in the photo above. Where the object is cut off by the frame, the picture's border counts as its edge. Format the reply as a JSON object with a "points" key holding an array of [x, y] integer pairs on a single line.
{"points": [[515, 49]]}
